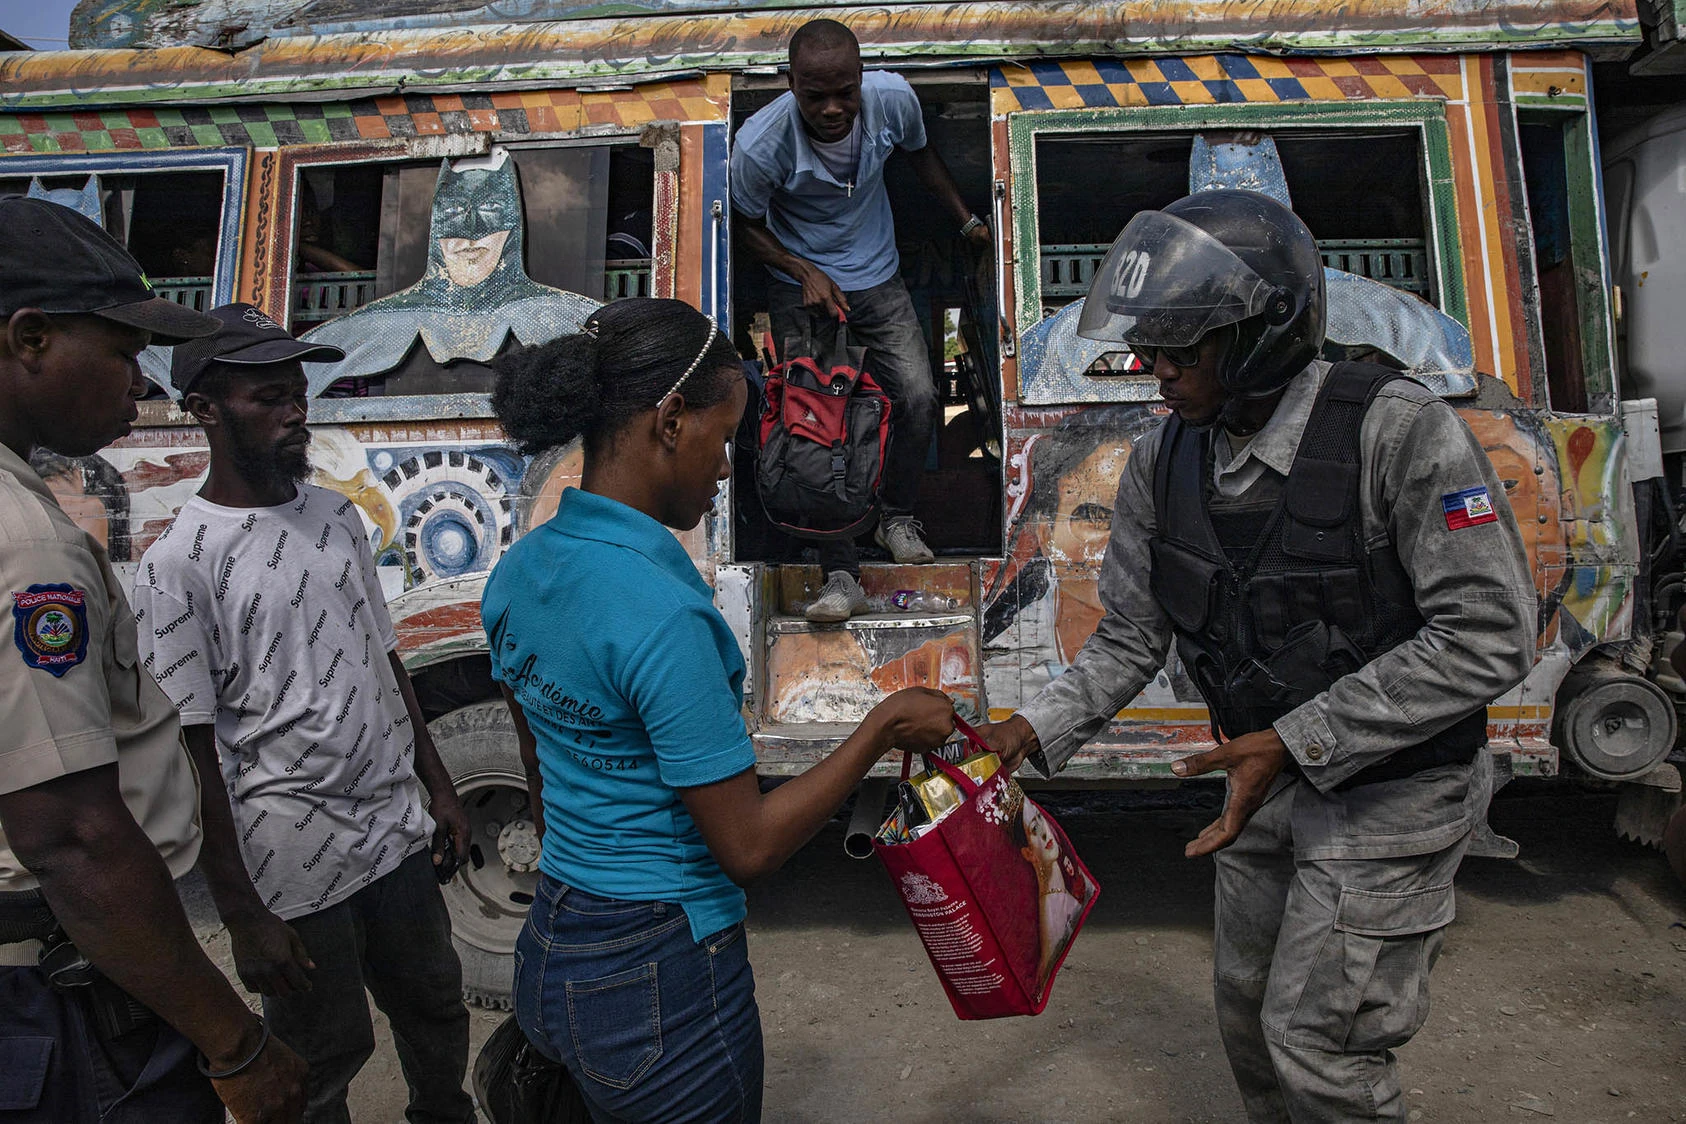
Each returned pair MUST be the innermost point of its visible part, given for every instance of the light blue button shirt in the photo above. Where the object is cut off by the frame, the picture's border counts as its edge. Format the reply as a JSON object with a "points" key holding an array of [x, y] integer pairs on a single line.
{"points": [[778, 177]]}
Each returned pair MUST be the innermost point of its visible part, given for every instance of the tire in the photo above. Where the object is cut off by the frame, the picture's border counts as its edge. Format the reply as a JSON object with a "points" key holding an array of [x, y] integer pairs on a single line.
{"points": [[488, 898], [1674, 844]]}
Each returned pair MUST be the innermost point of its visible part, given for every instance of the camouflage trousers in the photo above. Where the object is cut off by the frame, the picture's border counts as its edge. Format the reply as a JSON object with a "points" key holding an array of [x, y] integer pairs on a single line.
{"points": [[1320, 967]]}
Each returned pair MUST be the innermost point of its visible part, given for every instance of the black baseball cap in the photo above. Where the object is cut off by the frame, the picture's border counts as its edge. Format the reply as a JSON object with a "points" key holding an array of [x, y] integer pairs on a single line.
{"points": [[57, 260], [246, 337]]}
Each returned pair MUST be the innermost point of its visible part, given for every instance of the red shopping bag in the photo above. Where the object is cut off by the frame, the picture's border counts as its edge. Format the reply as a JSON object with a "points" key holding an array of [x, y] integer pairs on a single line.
{"points": [[996, 893]]}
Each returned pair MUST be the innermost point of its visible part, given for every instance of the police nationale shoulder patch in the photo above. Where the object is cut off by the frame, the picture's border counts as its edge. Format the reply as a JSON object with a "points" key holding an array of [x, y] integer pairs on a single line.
{"points": [[1468, 508], [51, 627]]}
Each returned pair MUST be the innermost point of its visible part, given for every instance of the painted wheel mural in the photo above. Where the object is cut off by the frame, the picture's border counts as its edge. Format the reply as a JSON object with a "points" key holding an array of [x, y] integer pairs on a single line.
{"points": [[455, 513]]}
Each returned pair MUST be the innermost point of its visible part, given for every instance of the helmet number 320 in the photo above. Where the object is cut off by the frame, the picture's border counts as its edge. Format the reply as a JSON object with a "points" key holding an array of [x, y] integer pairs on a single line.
{"points": [[1132, 272]]}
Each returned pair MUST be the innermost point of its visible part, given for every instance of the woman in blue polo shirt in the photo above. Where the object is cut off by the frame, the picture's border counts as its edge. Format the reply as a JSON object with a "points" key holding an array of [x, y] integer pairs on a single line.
{"points": [[626, 687]]}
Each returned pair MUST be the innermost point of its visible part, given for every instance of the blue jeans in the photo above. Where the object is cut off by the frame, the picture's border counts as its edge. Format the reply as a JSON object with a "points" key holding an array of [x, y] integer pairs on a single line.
{"points": [[883, 320], [653, 1025]]}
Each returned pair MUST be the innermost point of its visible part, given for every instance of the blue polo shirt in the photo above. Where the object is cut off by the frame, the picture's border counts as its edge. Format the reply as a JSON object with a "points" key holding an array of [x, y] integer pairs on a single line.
{"points": [[632, 684], [777, 177]]}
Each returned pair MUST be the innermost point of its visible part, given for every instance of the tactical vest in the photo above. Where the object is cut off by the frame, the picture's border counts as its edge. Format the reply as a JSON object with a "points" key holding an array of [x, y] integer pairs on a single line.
{"points": [[1273, 602]]}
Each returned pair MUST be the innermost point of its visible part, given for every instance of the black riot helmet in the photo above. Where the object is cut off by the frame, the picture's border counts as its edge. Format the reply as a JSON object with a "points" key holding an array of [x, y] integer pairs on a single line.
{"points": [[1209, 260]]}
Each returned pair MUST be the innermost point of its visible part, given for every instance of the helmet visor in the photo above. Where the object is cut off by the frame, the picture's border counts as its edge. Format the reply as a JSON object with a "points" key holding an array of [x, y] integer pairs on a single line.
{"points": [[1166, 283]]}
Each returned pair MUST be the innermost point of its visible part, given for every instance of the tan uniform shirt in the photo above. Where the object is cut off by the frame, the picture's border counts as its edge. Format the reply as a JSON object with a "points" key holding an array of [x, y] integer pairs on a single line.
{"points": [[73, 694]]}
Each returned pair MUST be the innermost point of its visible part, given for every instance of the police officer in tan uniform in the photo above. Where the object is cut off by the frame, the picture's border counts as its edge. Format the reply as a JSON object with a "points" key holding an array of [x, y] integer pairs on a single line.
{"points": [[109, 1009]]}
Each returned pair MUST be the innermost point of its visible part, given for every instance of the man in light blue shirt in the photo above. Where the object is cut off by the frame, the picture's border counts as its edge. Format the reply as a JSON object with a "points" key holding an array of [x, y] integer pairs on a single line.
{"points": [[808, 191]]}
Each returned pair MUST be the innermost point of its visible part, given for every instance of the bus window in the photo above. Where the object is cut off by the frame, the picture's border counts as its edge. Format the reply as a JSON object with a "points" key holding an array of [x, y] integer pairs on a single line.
{"points": [[1556, 167], [168, 220], [336, 242], [1360, 193], [632, 203], [1359, 190], [366, 233]]}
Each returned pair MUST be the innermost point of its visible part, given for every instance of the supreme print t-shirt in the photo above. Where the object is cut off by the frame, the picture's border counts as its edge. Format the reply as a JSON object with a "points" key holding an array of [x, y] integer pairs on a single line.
{"points": [[269, 624]]}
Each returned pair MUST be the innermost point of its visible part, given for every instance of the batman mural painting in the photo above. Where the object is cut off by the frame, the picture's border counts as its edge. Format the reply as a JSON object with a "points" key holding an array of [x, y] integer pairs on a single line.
{"points": [[474, 298]]}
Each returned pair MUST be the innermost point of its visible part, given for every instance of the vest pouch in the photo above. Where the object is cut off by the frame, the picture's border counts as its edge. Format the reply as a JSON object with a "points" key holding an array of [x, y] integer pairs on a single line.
{"points": [[1319, 502], [1185, 584], [1309, 661], [1281, 602]]}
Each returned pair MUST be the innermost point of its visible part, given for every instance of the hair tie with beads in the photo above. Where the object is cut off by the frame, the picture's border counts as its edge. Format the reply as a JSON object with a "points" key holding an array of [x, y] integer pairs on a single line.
{"points": [[713, 330]]}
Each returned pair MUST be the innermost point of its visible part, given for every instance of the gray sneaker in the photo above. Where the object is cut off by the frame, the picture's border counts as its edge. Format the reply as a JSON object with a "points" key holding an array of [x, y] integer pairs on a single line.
{"points": [[841, 599], [903, 538]]}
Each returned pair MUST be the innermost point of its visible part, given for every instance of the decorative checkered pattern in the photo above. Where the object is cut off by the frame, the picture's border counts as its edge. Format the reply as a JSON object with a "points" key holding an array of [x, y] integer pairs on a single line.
{"points": [[410, 115], [1220, 79]]}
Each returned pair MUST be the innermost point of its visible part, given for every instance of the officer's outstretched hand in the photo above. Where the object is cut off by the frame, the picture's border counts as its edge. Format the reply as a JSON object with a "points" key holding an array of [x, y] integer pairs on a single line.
{"points": [[1012, 740], [1251, 762]]}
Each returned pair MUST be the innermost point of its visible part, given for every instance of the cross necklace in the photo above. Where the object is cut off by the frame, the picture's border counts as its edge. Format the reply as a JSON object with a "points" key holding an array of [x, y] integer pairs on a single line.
{"points": [[854, 160]]}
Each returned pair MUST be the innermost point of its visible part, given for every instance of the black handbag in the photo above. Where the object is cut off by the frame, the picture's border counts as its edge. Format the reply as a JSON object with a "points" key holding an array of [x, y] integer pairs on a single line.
{"points": [[516, 1084]]}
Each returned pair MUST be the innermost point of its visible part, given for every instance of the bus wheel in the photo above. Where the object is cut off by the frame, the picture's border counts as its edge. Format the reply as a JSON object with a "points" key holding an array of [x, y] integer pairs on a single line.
{"points": [[1674, 844], [488, 898]]}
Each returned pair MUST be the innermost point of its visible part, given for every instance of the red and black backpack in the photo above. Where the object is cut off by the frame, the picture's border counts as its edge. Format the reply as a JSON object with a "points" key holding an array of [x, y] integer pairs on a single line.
{"points": [[824, 432]]}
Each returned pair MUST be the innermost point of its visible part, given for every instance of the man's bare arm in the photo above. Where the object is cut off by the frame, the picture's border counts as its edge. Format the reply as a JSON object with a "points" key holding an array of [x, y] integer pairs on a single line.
{"points": [[818, 289], [112, 894]]}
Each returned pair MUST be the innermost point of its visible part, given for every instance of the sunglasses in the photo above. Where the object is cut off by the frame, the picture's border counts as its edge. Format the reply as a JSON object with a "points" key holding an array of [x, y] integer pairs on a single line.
{"points": [[1148, 355]]}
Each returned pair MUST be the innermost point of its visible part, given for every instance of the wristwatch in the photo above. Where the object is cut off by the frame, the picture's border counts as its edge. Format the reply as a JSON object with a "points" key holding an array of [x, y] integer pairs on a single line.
{"points": [[971, 224]]}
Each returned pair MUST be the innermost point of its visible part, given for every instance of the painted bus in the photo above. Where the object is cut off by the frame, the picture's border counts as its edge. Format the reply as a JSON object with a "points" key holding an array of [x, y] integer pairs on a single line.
{"points": [[312, 156]]}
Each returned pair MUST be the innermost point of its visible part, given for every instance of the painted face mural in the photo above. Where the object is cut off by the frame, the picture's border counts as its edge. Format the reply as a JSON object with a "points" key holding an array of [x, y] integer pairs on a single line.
{"points": [[475, 297], [1045, 602], [1526, 466], [477, 225]]}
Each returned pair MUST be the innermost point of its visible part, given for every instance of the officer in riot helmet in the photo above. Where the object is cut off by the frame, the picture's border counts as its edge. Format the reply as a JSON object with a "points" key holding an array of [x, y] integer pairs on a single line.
{"points": [[1334, 558]]}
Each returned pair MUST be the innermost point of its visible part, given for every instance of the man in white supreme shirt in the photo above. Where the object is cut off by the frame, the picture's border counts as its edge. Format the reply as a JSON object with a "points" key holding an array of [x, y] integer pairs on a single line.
{"points": [[262, 618]]}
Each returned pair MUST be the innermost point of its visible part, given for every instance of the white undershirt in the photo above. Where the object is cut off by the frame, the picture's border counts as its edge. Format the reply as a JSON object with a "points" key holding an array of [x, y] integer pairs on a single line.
{"points": [[840, 157]]}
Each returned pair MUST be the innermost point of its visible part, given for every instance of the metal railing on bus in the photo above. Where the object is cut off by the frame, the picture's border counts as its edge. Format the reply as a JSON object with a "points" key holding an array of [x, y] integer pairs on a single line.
{"points": [[324, 296], [626, 277], [1067, 270], [191, 292]]}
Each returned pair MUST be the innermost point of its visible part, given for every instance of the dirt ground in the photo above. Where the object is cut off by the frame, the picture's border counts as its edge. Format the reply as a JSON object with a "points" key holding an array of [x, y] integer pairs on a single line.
{"points": [[1561, 992]]}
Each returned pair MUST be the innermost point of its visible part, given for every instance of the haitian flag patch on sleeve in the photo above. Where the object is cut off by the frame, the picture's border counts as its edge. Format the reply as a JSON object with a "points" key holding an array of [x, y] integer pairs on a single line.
{"points": [[1468, 508], [51, 627]]}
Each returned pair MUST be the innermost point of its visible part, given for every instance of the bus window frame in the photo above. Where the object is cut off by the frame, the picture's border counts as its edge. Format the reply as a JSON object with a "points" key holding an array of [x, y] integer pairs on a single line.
{"points": [[1426, 116], [271, 288], [230, 162], [1589, 237]]}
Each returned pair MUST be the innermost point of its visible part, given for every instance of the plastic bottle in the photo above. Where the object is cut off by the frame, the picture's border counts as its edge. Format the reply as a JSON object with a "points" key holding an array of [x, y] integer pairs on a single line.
{"points": [[920, 601]]}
